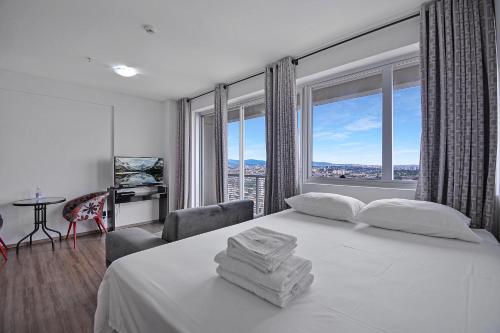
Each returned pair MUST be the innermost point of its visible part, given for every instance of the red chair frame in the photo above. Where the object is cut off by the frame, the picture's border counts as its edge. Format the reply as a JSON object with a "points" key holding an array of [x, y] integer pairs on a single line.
{"points": [[3, 249]]}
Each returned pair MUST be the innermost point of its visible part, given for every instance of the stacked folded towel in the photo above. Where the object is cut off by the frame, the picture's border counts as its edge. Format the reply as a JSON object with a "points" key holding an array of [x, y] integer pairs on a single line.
{"points": [[262, 261]]}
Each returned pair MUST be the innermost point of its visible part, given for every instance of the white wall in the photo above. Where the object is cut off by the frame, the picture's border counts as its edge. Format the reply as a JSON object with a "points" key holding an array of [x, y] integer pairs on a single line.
{"points": [[373, 48], [58, 114]]}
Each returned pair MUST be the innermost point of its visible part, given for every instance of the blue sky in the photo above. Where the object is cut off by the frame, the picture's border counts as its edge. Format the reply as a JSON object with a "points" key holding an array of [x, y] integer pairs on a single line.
{"points": [[255, 139], [347, 131]]}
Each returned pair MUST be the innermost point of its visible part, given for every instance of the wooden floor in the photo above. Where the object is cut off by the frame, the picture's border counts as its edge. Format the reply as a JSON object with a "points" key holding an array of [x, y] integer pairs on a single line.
{"points": [[53, 291]]}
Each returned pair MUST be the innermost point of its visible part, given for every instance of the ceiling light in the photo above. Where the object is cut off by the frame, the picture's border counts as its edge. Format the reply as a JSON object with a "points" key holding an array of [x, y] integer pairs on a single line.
{"points": [[125, 70], [149, 28]]}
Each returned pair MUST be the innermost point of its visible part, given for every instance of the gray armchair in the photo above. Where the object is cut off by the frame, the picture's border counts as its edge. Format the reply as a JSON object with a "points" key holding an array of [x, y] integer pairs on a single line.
{"points": [[180, 224]]}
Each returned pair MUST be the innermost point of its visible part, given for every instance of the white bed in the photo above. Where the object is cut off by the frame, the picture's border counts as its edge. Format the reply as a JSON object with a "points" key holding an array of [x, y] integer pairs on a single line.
{"points": [[366, 280]]}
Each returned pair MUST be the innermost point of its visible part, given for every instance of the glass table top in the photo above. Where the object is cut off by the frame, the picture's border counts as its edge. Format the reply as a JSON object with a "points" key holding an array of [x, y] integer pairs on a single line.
{"points": [[39, 201]]}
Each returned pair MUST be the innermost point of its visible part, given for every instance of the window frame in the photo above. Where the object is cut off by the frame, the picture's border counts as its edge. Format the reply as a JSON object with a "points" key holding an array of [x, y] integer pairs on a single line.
{"points": [[386, 68]]}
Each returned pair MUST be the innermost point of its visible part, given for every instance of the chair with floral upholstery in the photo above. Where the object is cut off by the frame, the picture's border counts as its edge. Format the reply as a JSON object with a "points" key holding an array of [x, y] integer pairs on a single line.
{"points": [[84, 208]]}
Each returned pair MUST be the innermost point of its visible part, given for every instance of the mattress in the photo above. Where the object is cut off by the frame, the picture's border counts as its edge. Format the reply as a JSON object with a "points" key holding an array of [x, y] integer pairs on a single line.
{"points": [[366, 280]]}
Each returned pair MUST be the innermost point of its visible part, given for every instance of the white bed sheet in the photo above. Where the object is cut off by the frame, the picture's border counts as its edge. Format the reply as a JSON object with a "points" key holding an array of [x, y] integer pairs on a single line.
{"points": [[366, 280]]}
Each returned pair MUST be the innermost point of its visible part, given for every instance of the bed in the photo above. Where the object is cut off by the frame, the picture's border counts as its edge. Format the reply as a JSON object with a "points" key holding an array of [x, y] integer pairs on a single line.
{"points": [[366, 280]]}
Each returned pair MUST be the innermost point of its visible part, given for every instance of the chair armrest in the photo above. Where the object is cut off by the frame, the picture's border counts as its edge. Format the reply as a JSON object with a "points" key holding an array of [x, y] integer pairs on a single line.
{"points": [[120, 243]]}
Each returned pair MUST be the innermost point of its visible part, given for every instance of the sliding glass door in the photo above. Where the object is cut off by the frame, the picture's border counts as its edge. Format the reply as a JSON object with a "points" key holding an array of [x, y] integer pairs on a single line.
{"points": [[254, 152], [233, 154], [247, 154], [246, 147]]}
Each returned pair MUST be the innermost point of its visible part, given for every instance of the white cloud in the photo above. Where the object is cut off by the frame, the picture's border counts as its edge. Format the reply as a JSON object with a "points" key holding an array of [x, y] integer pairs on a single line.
{"points": [[329, 135], [363, 124]]}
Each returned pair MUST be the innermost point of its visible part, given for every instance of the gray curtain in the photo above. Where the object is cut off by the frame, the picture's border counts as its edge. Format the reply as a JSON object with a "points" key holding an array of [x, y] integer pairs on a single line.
{"points": [[220, 109], [459, 107], [281, 120], [183, 174]]}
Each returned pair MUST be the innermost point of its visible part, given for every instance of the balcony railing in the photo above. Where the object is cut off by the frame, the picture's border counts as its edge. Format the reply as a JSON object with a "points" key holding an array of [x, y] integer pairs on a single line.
{"points": [[255, 186]]}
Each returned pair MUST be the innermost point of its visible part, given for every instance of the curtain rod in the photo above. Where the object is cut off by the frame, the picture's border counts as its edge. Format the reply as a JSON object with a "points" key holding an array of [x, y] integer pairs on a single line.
{"points": [[296, 60]]}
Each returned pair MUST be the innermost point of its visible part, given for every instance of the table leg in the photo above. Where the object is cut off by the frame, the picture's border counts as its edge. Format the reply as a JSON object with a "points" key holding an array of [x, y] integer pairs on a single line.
{"points": [[36, 229], [45, 231], [40, 216], [44, 225], [29, 235]]}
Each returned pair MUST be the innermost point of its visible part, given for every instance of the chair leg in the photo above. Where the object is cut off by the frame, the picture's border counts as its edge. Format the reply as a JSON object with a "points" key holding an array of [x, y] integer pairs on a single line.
{"points": [[99, 221], [98, 225], [3, 249], [69, 229], [4, 253], [74, 235], [2, 242]]}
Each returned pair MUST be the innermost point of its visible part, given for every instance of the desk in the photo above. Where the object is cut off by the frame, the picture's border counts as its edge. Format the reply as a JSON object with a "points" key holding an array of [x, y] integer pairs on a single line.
{"points": [[156, 192], [40, 205]]}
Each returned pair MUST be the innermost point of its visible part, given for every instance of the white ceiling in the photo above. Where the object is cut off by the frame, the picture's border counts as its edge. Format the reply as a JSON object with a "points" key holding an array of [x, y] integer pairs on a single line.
{"points": [[198, 43]]}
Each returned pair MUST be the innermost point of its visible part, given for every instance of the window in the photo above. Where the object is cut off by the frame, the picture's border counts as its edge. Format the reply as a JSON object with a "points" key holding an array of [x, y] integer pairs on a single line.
{"points": [[247, 154], [233, 154], [347, 129], [254, 150], [366, 126], [407, 119]]}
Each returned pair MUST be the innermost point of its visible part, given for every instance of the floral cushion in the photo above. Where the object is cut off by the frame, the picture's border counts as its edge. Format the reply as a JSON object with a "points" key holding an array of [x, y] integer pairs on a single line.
{"points": [[86, 207]]}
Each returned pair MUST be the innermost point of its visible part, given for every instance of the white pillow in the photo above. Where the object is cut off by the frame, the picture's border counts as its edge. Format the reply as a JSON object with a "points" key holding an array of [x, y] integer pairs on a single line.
{"points": [[329, 205], [418, 217]]}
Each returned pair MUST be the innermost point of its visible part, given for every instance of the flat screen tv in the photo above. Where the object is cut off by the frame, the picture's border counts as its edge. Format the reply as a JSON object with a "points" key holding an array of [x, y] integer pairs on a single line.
{"points": [[137, 171]]}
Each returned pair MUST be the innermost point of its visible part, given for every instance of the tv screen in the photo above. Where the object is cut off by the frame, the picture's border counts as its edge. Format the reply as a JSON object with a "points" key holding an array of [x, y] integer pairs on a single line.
{"points": [[134, 171]]}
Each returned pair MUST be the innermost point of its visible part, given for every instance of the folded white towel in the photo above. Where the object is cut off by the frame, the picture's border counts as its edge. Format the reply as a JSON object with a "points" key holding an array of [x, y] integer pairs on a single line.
{"points": [[262, 248], [282, 279], [280, 299]]}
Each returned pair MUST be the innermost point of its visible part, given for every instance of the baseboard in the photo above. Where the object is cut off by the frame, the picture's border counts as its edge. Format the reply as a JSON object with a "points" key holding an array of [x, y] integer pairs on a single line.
{"points": [[56, 238], [85, 233], [137, 224]]}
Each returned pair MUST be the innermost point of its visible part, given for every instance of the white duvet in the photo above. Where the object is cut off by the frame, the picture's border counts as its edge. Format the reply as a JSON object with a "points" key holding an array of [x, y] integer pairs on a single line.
{"points": [[366, 280]]}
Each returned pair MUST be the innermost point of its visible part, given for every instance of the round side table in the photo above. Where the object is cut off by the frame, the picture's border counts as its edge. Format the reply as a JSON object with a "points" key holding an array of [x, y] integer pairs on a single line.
{"points": [[40, 206]]}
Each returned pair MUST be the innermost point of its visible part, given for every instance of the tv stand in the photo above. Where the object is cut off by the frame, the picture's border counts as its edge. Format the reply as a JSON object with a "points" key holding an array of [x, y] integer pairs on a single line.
{"points": [[157, 192]]}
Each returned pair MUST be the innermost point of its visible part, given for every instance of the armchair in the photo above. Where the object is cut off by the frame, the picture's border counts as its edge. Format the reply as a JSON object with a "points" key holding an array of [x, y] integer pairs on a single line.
{"points": [[84, 208]]}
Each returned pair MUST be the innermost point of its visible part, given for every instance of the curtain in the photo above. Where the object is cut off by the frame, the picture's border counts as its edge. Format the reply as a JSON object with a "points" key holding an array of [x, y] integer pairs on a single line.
{"points": [[459, 107], [183, 174], [220, 109], [281, 120]]}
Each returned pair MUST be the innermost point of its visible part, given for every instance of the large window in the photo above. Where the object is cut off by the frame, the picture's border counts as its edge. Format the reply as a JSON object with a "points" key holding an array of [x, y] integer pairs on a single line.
{"points": [[366, 126], [347, 129], [247, 154]]}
